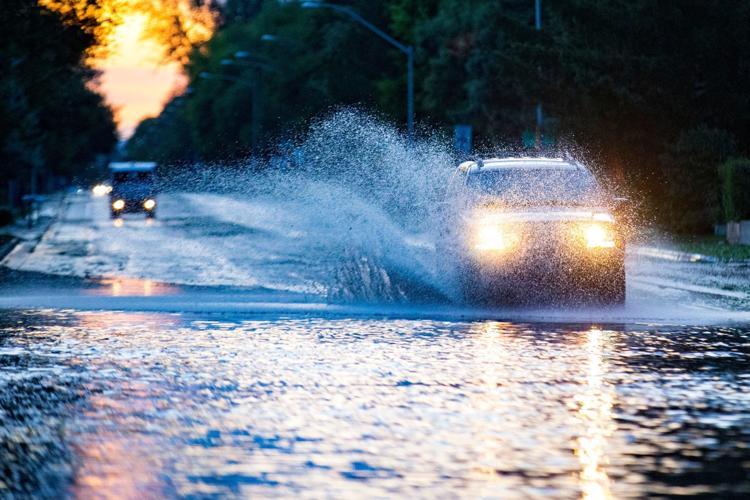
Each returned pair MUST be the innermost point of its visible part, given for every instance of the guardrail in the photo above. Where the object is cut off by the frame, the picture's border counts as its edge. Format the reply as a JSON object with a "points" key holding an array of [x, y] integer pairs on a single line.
{"points": [[738, 233]]}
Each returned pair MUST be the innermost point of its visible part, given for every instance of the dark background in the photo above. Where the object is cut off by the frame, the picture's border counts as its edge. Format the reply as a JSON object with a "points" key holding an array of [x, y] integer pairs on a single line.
{"points": [[653, 92]]}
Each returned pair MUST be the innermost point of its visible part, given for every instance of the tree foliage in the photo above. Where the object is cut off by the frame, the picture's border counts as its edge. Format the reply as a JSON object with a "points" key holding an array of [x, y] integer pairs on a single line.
{"points": [[735, 189], [51, 121], [316, 60], [636, 85]]}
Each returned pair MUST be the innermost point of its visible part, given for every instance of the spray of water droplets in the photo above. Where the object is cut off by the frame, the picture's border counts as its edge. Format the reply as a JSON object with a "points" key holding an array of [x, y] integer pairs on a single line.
{"points": [[361, 200]]}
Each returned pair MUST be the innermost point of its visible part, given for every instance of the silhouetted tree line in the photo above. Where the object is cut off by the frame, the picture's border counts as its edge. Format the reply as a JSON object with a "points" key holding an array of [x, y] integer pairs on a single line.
{"points": [[654, 92], [52, 124]]}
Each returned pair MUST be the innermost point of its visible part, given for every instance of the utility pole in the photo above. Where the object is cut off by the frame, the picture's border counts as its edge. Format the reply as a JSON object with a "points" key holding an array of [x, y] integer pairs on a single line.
{"points": [[539, 115], [407, 50], [410, 92], [245, 58]]}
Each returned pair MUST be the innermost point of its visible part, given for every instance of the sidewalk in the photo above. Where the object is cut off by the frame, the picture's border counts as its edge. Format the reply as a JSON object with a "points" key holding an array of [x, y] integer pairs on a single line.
{"points": [[657, 252], [20, 234]]}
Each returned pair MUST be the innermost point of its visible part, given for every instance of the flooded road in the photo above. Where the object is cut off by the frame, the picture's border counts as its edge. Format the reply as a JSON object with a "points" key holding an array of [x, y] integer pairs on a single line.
{"points": [[131, 404], [303, 250], [246, 345]]}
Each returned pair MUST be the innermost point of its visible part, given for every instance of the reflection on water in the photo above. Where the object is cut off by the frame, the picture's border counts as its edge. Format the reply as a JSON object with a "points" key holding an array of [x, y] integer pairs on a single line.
{"points": [[181, 406], [130, 287], [595, 411], [137, 221]]}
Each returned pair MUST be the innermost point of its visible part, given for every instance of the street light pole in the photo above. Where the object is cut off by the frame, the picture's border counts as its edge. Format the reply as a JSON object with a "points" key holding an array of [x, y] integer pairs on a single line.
{"points": [[410, 92], [539, 115], [407, 50]]}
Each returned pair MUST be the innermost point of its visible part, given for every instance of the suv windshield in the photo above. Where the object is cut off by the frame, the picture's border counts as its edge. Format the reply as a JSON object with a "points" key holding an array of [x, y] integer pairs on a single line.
{"points": [[134, 177], [534, 185]]}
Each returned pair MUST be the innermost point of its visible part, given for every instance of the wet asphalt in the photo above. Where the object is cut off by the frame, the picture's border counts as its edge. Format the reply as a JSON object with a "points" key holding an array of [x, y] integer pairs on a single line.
{"points": [[133, 404], [128, 387]]}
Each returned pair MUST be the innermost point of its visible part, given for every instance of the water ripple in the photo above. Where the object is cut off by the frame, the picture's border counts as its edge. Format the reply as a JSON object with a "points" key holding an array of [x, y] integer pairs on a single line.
{"points": [[174, 405]]}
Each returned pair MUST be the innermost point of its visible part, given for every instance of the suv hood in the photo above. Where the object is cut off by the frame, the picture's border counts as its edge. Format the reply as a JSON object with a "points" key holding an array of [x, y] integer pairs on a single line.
{"points": [[544, 213]]}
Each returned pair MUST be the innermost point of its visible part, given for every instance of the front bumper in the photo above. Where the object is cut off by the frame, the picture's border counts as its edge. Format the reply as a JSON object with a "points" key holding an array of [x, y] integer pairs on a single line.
{"points": [[548, 261], [545, 260]]}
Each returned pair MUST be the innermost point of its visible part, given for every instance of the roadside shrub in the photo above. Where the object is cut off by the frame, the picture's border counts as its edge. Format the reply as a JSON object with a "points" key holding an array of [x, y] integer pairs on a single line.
{"points": [[735, 189], [6, 217], [693, 201]]}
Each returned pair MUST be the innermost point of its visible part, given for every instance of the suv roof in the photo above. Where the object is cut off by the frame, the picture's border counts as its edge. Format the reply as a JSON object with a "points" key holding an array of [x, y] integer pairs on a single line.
{"points": [[520, 162], [132, 166]]}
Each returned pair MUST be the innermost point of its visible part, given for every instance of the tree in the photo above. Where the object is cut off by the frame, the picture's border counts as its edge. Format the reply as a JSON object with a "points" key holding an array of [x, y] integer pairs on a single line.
{"points": [[318, 60], [51, 121], [623, 83]]}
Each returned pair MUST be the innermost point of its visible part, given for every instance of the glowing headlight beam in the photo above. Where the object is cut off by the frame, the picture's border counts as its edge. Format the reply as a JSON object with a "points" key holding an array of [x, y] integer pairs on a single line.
{"points": [[149, 204], [118, 204], [598, 236], [490, 237], [603, 217], [101, 189]]}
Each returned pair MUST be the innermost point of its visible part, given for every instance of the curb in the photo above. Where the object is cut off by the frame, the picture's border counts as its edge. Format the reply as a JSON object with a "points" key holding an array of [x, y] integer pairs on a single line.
{"points": [[8, 247], [673, 255], [30, 242]]}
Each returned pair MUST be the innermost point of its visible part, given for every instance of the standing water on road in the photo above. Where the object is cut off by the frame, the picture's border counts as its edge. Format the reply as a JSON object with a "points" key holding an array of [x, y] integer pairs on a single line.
{"points": [[354, 219], [144, 405], [287, 333]]}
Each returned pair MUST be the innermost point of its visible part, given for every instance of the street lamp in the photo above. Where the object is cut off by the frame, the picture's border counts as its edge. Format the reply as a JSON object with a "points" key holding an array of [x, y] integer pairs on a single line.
{"points": [[247, 59], [272, 39], [408, 50], [539, 115]]}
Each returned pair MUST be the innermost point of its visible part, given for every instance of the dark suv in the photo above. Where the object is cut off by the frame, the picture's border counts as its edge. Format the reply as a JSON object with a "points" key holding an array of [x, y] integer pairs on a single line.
{"points": [[133, 188], [522, 228]]}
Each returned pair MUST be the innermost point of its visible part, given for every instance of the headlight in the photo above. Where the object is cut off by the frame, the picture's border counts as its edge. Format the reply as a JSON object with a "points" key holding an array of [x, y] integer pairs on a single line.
{"points": [[118, 204], [101, 189], [149, 204], [599, 236], [493, 237]]}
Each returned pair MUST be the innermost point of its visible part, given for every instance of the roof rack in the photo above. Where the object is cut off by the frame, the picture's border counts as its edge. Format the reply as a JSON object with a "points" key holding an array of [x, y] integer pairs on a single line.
{"points": [[132, 166]]}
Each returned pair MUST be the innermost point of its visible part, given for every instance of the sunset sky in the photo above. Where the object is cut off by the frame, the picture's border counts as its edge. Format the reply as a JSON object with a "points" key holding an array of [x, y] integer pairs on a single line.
{"points": [[142, 44], [136, 79]]}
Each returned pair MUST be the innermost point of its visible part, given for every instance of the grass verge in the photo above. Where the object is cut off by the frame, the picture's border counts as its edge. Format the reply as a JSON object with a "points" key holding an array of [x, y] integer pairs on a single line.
{"points": [[714, 246]]}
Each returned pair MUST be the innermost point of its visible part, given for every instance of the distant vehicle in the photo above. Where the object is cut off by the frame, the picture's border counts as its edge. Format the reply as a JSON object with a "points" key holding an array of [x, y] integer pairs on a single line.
{"points": [[133, 188], [521, 228], [101, 189]]}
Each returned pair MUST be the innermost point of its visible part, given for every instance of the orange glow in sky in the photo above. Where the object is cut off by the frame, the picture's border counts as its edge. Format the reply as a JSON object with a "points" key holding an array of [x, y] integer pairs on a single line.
{"points": [[135, 78], [141, 45]]}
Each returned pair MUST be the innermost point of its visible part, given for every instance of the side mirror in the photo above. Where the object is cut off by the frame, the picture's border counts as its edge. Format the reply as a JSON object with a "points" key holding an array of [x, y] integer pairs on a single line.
{"points": [[621, 202]]}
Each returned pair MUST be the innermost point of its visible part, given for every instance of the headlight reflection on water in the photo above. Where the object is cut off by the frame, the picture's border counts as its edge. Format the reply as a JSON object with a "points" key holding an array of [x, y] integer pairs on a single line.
{"points": [[221, 405], [595, 413], [580, 356]]}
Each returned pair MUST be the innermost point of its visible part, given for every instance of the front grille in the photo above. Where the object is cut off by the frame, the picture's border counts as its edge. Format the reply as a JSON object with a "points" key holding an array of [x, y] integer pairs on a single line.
{"points": [[546, 237]]}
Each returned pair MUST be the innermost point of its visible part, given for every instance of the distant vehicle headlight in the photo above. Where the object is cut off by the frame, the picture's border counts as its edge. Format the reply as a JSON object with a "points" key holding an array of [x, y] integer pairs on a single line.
{"points": [[599, 235], [118, 204], [101, 189], [494, 237], [149, 204]]}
